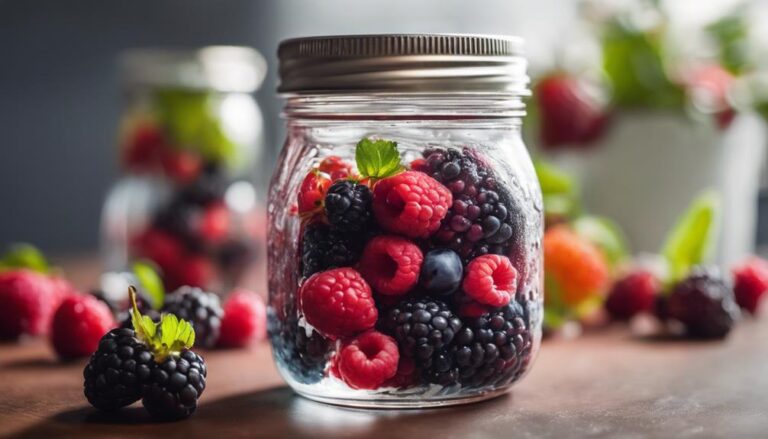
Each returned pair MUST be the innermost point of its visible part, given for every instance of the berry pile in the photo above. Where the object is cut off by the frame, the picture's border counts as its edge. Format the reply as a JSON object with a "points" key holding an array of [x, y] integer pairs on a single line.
{"points": [[391, 257]]}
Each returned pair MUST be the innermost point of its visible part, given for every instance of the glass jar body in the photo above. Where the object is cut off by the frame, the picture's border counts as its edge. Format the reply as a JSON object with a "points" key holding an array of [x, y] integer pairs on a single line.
{"points": [[486, 347], [186, 199]]}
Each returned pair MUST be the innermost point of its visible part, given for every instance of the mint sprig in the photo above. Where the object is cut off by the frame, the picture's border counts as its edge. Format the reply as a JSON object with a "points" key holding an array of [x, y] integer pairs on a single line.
{"points": [[24, 256], [377, 158], [168, 337], [150, 282]]}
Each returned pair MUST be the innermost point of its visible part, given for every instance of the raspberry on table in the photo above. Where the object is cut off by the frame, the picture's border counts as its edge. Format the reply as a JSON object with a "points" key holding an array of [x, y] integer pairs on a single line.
{"points": [[323, 247], [750, 283], [244, 321], [704, 304], [338, 303], [174, 386], [490, 280], [28, 301], [200, 308], [575, 265], [368, 361], [410, 203], [391, 264], [633, 294], [348, 206], [78, 325]]}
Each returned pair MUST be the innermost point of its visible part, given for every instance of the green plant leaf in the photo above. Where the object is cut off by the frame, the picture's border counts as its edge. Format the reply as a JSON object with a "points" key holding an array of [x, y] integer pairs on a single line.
{"points": [[603, 233], [377, 158], [24, 256], [150, 282], [165, 338], [552, 179], [693, 238]]}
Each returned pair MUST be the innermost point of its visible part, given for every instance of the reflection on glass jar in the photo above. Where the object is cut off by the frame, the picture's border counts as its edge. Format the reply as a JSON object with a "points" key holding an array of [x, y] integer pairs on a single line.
{"points": [[405, 221], [190, 138]]}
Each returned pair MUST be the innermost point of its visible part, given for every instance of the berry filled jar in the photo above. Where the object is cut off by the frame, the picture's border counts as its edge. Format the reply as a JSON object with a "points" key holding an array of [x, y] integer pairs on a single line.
{"points": [[405, 221], [189, 143]]}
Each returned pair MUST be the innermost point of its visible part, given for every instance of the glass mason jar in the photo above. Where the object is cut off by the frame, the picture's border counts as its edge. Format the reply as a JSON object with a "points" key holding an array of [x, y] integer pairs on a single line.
{"points": [[405, 221], [190, 138]]}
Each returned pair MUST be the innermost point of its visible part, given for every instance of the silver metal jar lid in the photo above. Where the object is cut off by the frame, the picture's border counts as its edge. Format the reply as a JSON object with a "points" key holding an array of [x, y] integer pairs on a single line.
{"points": [[408, 63], [220, 68]]}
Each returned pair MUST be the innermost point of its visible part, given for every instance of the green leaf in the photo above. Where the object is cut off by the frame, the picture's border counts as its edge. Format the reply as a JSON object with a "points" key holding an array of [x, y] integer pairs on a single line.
{"points": [[605, 234], [165, 338], [692, 240], [377, 158], [151, 283], [552, 179], [24, 256]]}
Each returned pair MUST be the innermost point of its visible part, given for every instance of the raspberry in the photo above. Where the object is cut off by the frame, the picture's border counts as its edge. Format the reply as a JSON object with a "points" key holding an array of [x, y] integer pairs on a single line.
{"points": [[574, 265], [323, 247], [79, 324], [182, 166], [633, 294], [491, 280], [391, 265], [199, 308], [338, 303], [368, 360], [174, 386], [348, 206], [483, 218], [704, 304], [750, 283], [244, 321], [335, 167], [312, 192], [117, 370], [143, 149], [410, 203], [192, 271], [160, 247], [27, 303], [214, 223]]}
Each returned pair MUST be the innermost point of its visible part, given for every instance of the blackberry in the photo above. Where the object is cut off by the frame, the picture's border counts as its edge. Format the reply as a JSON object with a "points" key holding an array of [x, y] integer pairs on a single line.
{"points": [[493, 348], [704, 304], [324, 247], [209, 186], [175, 386], [303, 356], [348, 205], [116, 371], [200, 308], [424, 328], [483, 218]]}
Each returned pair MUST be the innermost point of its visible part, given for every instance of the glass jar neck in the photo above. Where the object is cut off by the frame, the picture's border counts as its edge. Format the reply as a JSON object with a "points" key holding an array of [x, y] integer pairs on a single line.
{"points": [[404, 106]]}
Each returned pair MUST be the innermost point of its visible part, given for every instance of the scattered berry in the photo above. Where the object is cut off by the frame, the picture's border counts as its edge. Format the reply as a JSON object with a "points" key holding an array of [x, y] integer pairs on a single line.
{"points": [[368, 360], [175, 386], [323, 247], [117, 370], [348, 206], [336, 167], [410, 203], [312, 192], [199, 308], [633, 294], [750, 283], [244, 321], [491, 280], [391, 265], [574, 265], [704, 304], [441, 272], [338, 303], [27, 303], [78, 325]]}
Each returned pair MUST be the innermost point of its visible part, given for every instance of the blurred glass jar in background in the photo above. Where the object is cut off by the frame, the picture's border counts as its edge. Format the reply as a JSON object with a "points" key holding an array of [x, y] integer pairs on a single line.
{"points": [[189, 143]]}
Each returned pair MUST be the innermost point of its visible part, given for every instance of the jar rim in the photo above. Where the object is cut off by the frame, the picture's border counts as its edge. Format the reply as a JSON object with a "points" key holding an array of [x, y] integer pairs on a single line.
{"points": [[442, 63]]}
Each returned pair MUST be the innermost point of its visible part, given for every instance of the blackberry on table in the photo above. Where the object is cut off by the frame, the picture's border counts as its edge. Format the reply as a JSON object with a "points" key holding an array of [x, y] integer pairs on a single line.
{"points": [[117, 370], [200, 308], [703, 303], [483, 218], [324, 247], [424, 329], [175, 386], [348, 205]]}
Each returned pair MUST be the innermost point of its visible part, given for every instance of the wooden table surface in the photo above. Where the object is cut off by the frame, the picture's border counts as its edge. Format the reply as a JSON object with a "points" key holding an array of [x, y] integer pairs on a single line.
{"points": [[600, 385]]}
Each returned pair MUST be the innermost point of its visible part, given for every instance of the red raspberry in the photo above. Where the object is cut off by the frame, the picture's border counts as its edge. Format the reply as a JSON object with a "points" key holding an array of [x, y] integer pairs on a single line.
{"points": [[750, 283], [368, 361], [391, 265], [338, 303], [406, 375], [193, 271], [244, 321], [79, 324], [182, 166], [419, 164], [490, 280], [312, 192], [633, 294], [143, 148], [160, 247], [214, 223], [335, 167], [411, 203], [27, 303]]}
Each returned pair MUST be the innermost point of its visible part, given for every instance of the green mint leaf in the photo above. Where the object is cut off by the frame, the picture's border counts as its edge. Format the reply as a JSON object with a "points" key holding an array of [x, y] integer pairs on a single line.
{"points": [[692, 239], [24, 256], [605, 234], [377, 158], [151, 283]]}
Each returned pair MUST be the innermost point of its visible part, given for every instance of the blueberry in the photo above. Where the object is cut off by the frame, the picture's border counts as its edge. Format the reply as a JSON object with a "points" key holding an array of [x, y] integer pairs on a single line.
{"points": [[441, 271]]}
